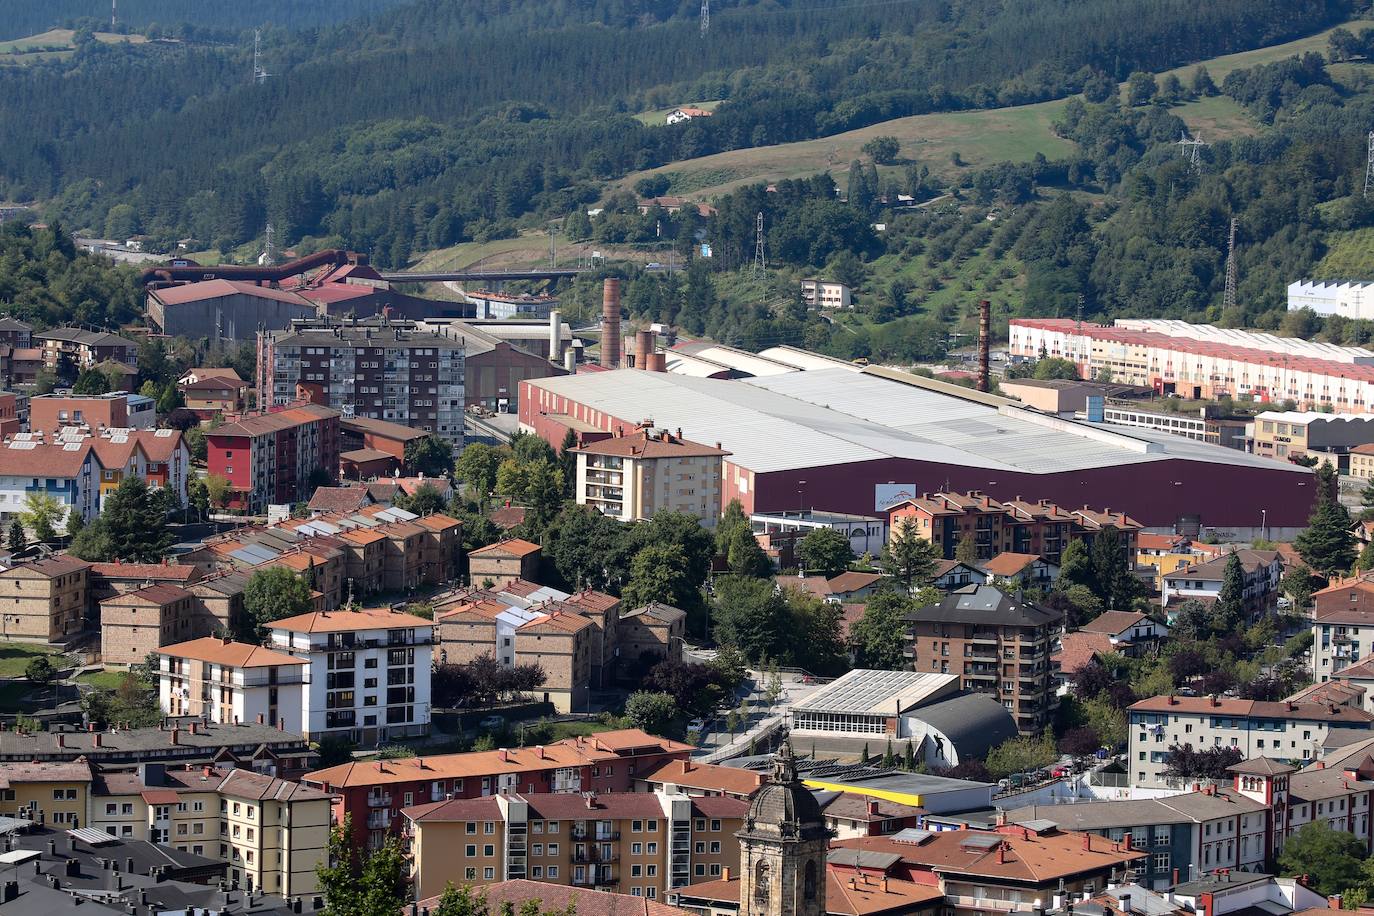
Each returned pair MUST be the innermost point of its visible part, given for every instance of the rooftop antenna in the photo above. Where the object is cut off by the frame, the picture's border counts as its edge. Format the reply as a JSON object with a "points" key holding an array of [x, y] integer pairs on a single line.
{"points": [[1229, 300], [705, 17], [1369, 167], [760, 261], [259, 74], [1190, 149]]}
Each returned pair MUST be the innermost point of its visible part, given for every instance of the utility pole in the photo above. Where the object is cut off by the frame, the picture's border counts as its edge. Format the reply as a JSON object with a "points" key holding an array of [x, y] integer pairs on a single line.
{"points": [[705, 17], [259, 74], [760, 261], [1190, 150], [1369, 167], [1228, 302]]}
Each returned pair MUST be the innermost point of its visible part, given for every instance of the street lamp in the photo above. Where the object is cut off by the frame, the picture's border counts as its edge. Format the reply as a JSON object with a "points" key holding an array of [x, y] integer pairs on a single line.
{"points": [[801, 503], [1264, 523]]}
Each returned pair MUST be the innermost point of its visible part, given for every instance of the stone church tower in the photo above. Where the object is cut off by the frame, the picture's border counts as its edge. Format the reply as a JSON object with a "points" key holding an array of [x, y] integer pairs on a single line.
{"points": [[783, 847]]}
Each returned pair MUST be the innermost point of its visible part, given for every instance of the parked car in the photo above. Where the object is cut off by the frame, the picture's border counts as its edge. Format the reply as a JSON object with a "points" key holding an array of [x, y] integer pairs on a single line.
{"points": [[492, 722]]}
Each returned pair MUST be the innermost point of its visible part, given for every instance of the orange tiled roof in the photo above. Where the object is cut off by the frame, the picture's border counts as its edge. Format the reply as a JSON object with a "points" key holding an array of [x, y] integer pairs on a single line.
{"points": [[228, 653], [514, 547], [706, 776], [336, 621]]}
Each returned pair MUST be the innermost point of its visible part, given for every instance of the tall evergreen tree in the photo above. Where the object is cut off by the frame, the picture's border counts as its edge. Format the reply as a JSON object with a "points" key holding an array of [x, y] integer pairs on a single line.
{"points": [[908, 557], [1327, 545], [17, 540], [1228, 613]]}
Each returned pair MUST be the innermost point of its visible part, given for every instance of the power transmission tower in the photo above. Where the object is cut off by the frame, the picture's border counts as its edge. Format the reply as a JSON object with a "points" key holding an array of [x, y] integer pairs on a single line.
{"points": [[1369, 167], [1228, 302], [1191, 149], [259, 74], [705, 17], [760, 261], [269, 253], [114, 17]]}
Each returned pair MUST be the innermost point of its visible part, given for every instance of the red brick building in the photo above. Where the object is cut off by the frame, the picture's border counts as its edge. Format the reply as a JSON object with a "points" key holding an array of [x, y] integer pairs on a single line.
{"points": [[269, 458], [373, 793]]}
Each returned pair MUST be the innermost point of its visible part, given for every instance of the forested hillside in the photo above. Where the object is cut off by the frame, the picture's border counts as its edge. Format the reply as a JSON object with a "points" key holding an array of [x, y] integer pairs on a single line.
{"points": [[436, 122], [27, 17]]}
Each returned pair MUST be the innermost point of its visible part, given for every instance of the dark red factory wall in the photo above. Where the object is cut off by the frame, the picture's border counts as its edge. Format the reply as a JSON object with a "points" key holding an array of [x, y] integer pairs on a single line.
{"points": [[1157, 493]]}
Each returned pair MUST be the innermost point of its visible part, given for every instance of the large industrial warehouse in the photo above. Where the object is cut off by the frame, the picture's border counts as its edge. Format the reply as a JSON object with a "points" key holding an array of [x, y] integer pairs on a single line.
{"points": [[841, 440]]}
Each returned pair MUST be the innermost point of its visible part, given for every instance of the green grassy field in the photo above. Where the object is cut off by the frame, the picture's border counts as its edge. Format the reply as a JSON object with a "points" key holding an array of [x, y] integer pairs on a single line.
{"points": [[1216, 118], [657, 115], [54, 44], [102, 680], [15, 656], [1349, 256], [1218, 67]]}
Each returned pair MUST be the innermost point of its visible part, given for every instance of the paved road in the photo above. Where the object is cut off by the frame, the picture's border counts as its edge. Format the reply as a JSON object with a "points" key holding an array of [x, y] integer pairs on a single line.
{"points": [[718, 743]]}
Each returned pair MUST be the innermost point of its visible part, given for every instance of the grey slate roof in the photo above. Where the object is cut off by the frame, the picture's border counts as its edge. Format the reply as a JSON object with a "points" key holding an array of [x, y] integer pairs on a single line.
{"points": [[984, 604]]}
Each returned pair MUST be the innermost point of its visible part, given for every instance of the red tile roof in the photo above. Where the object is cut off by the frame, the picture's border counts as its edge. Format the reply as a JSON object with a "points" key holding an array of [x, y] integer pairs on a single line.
{"points": [[706, 776], [160, 594], [564, 898], [1080, 648], [1234, 707], [230, 654], [514, 547]]}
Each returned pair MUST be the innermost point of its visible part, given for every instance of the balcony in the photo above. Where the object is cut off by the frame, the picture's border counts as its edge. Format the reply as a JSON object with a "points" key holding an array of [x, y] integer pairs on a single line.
{"points": [[598, 836], [379, 801], [595, 855], [379, 820], [982, 903], [985, 636], [600, 880]]}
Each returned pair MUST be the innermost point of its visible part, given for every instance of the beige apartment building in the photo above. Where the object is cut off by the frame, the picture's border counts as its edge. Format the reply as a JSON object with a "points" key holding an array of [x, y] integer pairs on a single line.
{"points": [[655, 630], [497, 564], [826, 294], [137, 623], [272, 833], [44, 600], [562, 644], [632, 476], [643, 844]]}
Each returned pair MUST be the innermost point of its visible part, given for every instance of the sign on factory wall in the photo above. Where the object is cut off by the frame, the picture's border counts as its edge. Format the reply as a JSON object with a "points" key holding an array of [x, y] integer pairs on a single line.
{"points": [[889, 494]]}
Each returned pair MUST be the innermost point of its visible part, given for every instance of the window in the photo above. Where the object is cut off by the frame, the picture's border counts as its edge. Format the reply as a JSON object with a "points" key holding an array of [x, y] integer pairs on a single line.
{"points": [[553, 849], [1161, 861], [471, 851], [488, 872], [489, 827], [637, 849], [470, 874], [636, 826], [636, 871], [715, 825], [553, 871], [471, 829], [111, 810], [488, 850]]}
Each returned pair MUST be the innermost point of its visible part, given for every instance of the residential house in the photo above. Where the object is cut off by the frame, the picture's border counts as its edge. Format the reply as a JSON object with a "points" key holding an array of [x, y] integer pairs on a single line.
{"points": [[1022, 569], [954, 574], [655, 631], [679, 115], [1127, 630], [1339, 613], [70, 475], [1262, 571], [689, 777], [826, 294], [66, 351]]}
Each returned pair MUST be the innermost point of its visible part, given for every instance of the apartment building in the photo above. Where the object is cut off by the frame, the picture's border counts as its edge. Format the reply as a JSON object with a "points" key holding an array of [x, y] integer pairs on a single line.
{"points": [[270, 458], [1262, 571], [1283, 731], [1342, 625], [377, 368], [1008, 526], [630, 476], [637, 843], [135, 624], [66, 351], [495, 565], [995, 643], [70, 475], [44, 600], [229, 682], [656, 631], [561, 643], [369, 672], [47, 792], [373, 793], [110, 579], [826, 294], [271, 833], [213, 392]]}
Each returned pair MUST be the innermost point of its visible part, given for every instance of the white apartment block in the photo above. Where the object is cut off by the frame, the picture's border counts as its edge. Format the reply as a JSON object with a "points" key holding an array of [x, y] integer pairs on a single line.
{"points": [[1332, 297], [369, 672], [229, 682], [1281, 730]]}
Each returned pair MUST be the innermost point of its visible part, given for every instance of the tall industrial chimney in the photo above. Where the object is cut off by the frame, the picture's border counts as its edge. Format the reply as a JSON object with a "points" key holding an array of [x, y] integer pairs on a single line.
{"points": [[610, 323], [984, 345], [555, 335], [644, 346]]}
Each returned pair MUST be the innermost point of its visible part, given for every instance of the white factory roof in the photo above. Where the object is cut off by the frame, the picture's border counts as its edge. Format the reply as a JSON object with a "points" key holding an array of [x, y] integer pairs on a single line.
{"points": [[836, 416], [1255, 340], [805, 359], [866, 691], [1303, 417]]}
